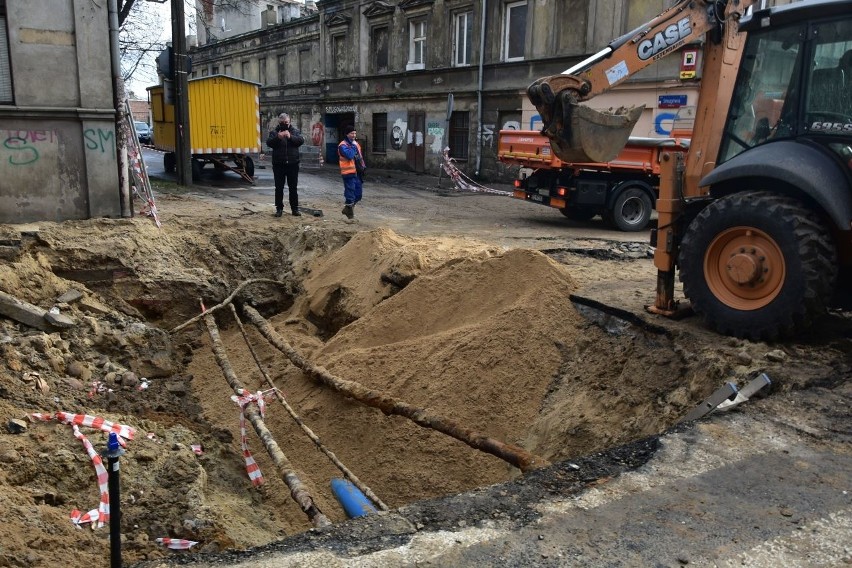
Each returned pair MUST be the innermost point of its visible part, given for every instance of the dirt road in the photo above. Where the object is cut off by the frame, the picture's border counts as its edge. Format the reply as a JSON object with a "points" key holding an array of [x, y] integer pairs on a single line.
{"points": [[458, 304]]}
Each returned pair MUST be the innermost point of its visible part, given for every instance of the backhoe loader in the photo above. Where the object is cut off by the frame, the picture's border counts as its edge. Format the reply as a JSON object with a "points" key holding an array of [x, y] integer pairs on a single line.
{"points": [[758, 216]]}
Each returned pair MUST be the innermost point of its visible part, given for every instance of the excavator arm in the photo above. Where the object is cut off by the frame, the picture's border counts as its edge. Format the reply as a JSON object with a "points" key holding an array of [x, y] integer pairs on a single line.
{"points": [[581, 134]]}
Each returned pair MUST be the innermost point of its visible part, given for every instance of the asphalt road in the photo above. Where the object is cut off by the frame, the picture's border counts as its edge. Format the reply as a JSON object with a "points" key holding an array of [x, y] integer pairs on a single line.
{"points": [[407, 201]]}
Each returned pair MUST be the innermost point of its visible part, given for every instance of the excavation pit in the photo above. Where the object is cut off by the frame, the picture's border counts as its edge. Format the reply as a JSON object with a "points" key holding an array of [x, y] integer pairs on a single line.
{"points": [[486, 338]]}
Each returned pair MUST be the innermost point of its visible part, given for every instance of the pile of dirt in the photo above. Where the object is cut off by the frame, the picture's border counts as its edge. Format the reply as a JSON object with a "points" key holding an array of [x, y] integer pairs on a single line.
{"points": [[486, 337]]}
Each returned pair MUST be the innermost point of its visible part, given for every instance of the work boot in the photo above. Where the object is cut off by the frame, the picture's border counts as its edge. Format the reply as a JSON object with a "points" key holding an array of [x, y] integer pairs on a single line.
{"points": [[297, 213], [347, 210], [279, 212]]}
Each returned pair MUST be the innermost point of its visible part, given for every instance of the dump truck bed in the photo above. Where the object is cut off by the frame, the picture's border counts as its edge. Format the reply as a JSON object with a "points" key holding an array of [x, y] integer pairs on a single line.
{"points": [[531, 149]]}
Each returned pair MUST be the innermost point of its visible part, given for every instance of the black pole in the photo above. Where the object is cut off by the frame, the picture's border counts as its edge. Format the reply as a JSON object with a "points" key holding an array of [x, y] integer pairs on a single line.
{"points": [[183, 158], [114, 451]]}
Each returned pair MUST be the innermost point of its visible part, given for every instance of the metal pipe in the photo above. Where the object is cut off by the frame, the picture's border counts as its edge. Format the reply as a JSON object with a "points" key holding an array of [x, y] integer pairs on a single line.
{"points": [[479, 86], [118, 99], [113, 452]]}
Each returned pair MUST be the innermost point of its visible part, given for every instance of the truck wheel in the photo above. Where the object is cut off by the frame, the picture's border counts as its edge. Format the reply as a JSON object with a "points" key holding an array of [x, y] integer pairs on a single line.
{"points": [[631, 210], [169, 162], [248, 163], [757, 265], [579, 213]]}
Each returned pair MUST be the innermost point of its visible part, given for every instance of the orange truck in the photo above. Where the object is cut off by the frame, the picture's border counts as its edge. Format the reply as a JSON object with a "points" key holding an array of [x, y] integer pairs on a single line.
{"points": [[623, 191]]}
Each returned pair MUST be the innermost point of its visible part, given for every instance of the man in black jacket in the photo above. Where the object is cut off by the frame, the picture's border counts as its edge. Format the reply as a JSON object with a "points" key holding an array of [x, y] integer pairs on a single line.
{"points": [[285, 141]]}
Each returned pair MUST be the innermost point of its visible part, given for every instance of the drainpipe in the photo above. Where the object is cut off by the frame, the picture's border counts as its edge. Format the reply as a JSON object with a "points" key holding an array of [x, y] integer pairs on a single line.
{"points": [[118, 99], [479, 86]]}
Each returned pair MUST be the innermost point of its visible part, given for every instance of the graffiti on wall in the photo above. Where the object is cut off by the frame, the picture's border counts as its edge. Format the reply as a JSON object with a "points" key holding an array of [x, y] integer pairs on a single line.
{"points": [[436, 131], [21, 147], [511, 125], [664, 122], [100, 140], [399, 133], [25, 147], [317, 133], [486, 135]]}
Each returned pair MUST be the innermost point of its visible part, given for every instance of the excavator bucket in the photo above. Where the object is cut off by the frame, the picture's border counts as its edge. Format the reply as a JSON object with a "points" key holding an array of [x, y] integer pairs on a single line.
{"points": [[594, 136], [579, 133]]}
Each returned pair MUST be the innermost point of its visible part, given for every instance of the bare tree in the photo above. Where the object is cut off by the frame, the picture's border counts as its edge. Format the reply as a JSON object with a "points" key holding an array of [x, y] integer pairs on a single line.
{"points": [[141, 38]]}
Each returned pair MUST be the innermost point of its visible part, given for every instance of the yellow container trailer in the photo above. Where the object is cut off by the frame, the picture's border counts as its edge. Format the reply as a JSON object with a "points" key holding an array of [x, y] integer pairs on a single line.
{"points": [[224, 124]]}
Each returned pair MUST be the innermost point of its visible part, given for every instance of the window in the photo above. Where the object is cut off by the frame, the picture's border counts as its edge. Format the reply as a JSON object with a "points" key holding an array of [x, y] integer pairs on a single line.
{"points": [[5, 67], [379, 42], [416, 45], [459, 135], [380, 133], [245, 69], [261, 71], [462, 26], [514, 31], [228, 70]]}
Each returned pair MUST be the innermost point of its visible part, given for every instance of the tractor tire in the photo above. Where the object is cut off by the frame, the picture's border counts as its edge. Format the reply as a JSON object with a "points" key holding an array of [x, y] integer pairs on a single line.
{"points": [[579, 213], [758, 265], [169, 162], [631, 211]]}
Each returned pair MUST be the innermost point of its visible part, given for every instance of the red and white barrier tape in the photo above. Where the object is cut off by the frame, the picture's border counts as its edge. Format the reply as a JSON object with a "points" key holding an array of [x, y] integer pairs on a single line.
{"points": [[243, 399], [464, 183], [103, 476], [97, 423], [76, 420], [177, 543], [80, 518]]}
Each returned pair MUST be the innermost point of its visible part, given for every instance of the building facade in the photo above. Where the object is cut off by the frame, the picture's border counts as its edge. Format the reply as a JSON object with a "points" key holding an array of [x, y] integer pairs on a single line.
{"points": [[57, 112], [415, 76]]}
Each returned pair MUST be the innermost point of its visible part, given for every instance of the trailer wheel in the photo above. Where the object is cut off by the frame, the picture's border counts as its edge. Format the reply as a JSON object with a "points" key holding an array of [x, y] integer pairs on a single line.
{"points": [[757, 265], [169, 162], [579, 213], [248, 164], [631, 210], [197, 166]]}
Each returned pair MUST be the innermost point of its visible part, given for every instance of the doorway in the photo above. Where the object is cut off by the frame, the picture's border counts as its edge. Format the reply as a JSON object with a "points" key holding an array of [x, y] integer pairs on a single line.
{"points": [[415, 152]]}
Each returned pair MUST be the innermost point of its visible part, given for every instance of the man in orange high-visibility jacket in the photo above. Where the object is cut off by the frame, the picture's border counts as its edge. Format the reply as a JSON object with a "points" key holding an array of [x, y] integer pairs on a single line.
{"points": [[352, 169]]}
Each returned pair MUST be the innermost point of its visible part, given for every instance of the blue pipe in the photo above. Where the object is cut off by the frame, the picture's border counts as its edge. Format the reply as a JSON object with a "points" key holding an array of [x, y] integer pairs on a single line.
{"points": [[353, 501]]}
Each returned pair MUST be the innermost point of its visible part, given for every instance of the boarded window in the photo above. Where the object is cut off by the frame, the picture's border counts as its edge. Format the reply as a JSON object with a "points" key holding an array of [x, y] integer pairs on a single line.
{"points": [[305, 65], [339, 55], [261, 71], [282, 69], [380, 133]]}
